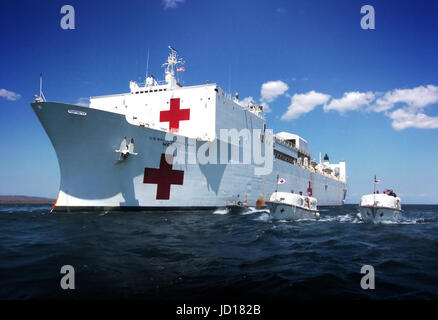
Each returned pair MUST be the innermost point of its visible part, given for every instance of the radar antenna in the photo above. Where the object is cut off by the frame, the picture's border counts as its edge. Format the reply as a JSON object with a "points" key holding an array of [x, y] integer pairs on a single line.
{"points": [[147, 65], [172, 61]]}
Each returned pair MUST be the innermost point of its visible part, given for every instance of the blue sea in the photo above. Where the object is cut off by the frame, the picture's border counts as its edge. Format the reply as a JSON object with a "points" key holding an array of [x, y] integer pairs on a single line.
{"points": [[210, 255]]}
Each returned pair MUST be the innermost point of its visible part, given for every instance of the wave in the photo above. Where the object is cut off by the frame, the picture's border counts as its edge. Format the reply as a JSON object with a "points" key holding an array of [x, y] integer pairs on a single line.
{"points": [[221, 211], [264, 217], [252, 210], [402, 221], [343, 218], [25, 208], [356, 218]]}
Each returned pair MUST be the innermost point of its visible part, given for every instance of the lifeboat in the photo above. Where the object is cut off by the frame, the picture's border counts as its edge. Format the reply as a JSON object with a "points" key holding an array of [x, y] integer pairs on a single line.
{"points": [[292, 206], [375, 208]]}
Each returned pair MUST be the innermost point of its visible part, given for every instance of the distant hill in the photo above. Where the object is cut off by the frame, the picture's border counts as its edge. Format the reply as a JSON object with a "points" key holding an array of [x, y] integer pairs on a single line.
{"points": [[25, 200]]}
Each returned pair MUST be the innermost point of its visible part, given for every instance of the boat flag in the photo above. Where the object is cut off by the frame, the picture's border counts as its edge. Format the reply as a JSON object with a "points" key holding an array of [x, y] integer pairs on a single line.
{"points": [[181, 69], [281, 181], [376, 181]]}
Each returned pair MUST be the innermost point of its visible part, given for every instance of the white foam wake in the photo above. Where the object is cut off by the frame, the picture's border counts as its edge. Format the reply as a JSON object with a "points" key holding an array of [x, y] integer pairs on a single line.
{"points": [[264, 217], [221, 211], [252, 210]]}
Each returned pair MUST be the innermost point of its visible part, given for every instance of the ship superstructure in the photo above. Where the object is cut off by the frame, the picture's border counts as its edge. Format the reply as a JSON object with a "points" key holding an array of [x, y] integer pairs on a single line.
{"points": [[115, 154]]}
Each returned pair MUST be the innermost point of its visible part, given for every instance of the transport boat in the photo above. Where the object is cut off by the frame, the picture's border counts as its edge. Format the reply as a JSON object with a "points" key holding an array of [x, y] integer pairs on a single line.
{"points": [[375, 208], [292, 206]]}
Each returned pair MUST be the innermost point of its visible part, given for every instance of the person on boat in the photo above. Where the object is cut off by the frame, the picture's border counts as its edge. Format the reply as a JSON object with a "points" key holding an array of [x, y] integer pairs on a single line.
{"points": [[291, 191], [301, 193], [377, 191]]}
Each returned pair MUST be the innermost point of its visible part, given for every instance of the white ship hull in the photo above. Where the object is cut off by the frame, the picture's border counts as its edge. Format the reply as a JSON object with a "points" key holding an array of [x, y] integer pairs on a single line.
{"points": [[281, 211], [376, 215], [92, 177]]}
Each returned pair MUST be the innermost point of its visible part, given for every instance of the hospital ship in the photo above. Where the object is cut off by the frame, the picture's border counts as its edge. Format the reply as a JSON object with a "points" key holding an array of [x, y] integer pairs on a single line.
{"points": [[141, 150]]}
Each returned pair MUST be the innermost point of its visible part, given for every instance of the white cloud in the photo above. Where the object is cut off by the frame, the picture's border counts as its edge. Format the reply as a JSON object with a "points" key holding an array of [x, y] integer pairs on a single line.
{"points": [[271, 90], [410, 102], [410, 113], [172, 3], [83, 102], [350, 101], [404, 118], [304, 103], [416, 98], [9, 95]]}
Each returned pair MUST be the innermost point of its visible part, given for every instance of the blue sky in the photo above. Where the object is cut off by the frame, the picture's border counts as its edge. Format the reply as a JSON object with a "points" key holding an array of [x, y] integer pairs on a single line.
{"points": [[305, 52]]}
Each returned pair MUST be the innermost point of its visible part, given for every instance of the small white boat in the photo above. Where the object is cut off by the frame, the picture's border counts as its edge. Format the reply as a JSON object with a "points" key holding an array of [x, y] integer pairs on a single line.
{"points": [[292, 206], [375, 208], [237, 206]]}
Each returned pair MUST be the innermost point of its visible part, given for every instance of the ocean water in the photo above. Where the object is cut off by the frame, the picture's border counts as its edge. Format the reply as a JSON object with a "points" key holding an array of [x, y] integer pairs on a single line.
{"points": [[212, 255]]}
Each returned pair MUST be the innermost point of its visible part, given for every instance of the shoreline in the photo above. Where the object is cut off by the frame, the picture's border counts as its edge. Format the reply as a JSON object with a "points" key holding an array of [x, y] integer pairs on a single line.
{"points": [[25, 200]]}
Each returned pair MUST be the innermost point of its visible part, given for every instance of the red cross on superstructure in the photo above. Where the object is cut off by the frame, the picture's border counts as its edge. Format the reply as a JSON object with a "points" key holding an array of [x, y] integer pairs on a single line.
{"points": [[163, 177], [174, 115]]}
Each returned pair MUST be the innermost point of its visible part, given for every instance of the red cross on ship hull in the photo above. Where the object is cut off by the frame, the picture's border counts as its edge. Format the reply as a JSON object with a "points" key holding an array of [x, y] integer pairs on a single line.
{"points": [[174, 115], [163, 177]]}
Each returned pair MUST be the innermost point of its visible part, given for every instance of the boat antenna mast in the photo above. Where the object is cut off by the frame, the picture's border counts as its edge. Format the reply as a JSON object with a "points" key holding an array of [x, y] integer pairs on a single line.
{"points": [[374, 193], [147, 65], [41, 97]]}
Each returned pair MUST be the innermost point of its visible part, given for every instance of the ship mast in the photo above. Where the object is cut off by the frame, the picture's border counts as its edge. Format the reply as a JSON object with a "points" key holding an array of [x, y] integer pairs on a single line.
{"points": [[172, 61]]}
